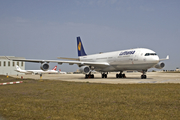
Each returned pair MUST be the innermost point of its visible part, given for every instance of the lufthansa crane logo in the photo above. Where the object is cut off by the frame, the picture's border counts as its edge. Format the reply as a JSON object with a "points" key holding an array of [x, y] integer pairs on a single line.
{"points": [[79, 46]]}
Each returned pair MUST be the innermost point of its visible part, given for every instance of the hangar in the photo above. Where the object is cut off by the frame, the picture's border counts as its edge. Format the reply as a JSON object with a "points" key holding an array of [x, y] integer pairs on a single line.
{"points": [[8, 67]]}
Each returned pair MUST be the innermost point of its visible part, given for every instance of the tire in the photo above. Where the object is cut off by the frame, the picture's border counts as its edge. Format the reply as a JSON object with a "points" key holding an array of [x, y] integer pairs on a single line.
{"points": [[145, 76], [86, 76], [105, 75], [102, 75], [120, 75], [117, 75]]}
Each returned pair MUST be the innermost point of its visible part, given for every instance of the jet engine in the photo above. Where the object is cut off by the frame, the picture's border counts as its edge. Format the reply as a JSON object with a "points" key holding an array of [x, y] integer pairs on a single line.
{"points": [[159, 65], [44, 66], [84, 69]]}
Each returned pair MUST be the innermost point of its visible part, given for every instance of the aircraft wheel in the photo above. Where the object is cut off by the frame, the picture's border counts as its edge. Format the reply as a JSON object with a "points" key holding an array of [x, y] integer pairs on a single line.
{"points": [[123, 75], [120, 75], [117, 75], [89, 76], [105, 75], [102, 75], [86, 76], [143, 76]]}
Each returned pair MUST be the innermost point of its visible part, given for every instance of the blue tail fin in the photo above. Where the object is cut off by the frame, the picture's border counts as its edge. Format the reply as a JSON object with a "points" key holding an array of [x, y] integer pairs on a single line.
{"points": [[80, 48]]}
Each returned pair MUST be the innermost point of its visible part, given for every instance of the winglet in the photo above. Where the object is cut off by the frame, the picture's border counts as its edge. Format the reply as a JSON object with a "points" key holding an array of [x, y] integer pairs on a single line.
{"points": [[167, 58], [80, 48]]}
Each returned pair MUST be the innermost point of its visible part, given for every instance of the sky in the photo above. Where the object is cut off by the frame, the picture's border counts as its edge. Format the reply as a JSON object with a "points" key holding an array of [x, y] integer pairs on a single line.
{"points": [[47, 29]]}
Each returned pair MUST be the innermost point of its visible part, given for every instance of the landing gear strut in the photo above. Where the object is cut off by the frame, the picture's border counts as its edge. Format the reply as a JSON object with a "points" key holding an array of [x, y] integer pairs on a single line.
{"points": [[143, 76], [104, 75], [120, 75], [89, 75]]}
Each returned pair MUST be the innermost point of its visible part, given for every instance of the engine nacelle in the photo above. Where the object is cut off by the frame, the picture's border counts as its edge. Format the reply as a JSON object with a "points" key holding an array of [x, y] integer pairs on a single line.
{"points": [[159, 65], [84, 69], [44, 66]]}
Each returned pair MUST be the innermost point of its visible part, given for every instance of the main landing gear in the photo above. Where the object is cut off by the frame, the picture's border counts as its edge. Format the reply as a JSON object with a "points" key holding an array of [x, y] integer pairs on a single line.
{"points": [[104, 75], [120, 75], [89, 75], [143, 76]]}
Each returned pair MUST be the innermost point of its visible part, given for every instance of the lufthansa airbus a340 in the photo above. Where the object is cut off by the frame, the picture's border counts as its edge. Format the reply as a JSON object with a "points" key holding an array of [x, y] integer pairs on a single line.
{"points": [[139, 59]]}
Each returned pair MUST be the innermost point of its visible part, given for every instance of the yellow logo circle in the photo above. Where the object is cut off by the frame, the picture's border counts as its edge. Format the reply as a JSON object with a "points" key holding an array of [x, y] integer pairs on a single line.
{"points": [[79, 46]]}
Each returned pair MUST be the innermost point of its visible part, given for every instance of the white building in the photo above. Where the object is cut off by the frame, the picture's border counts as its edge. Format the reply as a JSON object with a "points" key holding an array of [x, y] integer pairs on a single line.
{"points": [[8, 67]]}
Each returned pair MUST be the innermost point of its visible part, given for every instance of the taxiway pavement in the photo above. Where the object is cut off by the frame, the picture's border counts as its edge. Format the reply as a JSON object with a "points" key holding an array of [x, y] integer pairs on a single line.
{"points": [[131, 78]]}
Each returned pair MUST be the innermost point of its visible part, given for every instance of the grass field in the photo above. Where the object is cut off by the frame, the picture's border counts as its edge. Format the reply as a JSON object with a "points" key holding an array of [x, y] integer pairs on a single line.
{"points": [[57, 100]]}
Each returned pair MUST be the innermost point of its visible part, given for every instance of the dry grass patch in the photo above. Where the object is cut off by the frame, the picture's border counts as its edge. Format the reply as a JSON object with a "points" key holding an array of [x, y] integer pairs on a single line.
{"points": [[50, 99]]}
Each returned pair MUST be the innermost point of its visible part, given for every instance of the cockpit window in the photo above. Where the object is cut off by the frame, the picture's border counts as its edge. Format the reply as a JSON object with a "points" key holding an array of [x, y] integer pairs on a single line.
{"points": [[150, 54]]}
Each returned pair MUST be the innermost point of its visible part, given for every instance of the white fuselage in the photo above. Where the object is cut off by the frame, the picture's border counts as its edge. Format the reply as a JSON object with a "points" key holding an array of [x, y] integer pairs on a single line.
{"points": [[131, 59], [60, 72], [38, 71]]}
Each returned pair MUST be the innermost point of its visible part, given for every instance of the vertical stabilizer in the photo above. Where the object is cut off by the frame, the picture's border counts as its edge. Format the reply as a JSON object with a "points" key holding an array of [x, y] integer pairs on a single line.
{"points": [[18, 68], [54, 68], [80, 48]]}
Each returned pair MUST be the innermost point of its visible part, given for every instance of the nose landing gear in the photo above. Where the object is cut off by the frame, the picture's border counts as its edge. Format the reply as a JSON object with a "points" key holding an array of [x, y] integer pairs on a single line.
{"points": [[143, 76]]}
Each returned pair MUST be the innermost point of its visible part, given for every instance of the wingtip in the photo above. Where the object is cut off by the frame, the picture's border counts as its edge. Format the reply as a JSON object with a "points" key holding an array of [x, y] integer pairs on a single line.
{"points": [[167, 57]]}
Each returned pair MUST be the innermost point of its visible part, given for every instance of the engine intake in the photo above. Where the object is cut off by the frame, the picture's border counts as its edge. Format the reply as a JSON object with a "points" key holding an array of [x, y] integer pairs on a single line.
{"points": [[159, 65], [44, 66], [84, 69]]}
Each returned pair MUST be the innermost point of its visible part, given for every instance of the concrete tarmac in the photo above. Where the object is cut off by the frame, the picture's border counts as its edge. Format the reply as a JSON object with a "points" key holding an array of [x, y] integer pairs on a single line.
{"points": [[131, 78]]}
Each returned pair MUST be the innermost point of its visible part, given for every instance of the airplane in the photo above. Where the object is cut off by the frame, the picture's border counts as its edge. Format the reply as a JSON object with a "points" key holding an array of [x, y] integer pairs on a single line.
{"points": [[18, 69], [139, 59], [61, 72]]}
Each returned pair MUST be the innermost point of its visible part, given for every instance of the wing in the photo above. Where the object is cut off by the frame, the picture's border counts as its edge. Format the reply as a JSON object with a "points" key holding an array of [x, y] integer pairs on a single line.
{"points": [[29, 71], [77, 59], [80, 63]]}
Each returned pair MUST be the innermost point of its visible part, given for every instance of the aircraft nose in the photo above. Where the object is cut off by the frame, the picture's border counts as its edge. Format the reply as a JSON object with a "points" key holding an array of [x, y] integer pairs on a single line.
{"points": [[155, 58]]}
